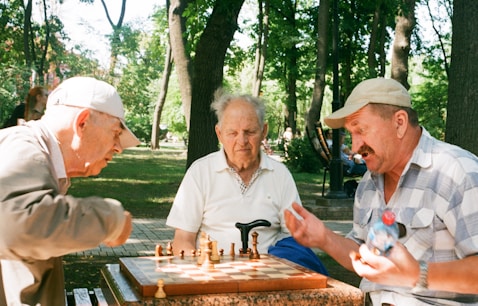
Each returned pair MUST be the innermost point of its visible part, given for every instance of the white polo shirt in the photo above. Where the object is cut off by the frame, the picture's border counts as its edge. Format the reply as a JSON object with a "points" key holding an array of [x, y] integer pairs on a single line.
{"points": [[209, 199]]}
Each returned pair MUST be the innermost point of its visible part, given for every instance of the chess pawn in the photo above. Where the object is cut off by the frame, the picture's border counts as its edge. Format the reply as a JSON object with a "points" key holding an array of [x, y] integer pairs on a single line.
{"points": [[169, 249], [158, 251], [160, 294], [202, 246], [214, 252]]}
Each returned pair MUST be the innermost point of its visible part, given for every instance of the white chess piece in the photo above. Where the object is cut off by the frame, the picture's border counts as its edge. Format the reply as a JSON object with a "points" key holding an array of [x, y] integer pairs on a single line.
{"points": [[160, 294]]}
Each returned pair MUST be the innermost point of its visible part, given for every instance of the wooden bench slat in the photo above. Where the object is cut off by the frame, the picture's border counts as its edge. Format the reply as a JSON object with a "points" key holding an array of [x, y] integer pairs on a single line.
{"points": [[100, 297], [82, 297]]}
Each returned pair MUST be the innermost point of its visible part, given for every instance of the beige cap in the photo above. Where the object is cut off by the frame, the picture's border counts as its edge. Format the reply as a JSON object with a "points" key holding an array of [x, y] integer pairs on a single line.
{"points": [[379, 90], [91, 93]]}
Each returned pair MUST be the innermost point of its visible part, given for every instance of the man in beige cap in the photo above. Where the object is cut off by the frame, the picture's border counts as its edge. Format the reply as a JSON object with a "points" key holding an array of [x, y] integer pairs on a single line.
{"points": [[431, 186], [82, 129]]}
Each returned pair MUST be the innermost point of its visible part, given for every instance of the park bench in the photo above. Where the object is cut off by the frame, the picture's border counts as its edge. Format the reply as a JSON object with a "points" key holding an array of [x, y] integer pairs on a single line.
{"points": [[324, 154], [86, 297]]}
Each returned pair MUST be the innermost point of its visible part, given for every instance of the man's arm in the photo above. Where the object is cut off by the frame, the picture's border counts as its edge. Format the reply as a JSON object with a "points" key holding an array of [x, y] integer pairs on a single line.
{"points": [[184, 241], [457, 276]]}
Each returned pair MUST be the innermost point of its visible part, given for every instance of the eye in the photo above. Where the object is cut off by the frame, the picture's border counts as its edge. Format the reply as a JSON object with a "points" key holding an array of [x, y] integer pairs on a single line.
{"points": [[117, 132]]}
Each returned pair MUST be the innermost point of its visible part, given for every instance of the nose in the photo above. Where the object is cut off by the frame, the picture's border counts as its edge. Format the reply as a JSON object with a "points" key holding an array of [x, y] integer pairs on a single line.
{"points": [[357, 142], [117, 147], [243, 138]]}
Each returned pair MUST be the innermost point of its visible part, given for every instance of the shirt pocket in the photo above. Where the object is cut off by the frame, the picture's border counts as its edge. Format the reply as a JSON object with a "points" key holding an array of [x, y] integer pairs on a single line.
{"points": [[419, 230], [363, 220]]}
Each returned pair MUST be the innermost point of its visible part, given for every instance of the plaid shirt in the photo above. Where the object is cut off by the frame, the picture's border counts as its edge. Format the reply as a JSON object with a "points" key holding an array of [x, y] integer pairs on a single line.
{"points": [[436, 200]]}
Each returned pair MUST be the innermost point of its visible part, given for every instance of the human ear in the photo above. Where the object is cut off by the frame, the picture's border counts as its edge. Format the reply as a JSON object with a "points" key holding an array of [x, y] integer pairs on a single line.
{"points": [[401, 123], [265, 130], [80, 121], [218, 132]]}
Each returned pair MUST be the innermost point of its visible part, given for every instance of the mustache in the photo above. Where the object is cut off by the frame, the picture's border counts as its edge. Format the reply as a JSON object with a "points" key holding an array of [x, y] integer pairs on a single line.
{"points": [[365, 150]]}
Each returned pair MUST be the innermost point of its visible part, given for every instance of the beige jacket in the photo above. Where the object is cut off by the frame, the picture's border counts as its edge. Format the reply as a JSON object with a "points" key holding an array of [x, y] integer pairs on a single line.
{"points": [[38, 222]]}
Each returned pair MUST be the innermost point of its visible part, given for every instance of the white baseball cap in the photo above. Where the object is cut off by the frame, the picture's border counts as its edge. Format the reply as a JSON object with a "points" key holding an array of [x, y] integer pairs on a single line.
{"points": [[378, 90], [91, 93]]}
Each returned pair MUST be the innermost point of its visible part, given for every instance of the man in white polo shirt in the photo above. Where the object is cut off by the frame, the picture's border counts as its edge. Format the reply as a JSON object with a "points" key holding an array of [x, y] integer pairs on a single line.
{"points": [[238, 183]]}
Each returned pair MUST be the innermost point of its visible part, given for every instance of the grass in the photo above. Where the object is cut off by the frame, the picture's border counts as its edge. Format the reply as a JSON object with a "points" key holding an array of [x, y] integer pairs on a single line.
{"points": [[146, 182]]}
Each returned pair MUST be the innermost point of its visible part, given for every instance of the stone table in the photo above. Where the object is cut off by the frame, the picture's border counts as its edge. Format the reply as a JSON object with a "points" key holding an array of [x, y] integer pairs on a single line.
{"points": [[337, 293]]}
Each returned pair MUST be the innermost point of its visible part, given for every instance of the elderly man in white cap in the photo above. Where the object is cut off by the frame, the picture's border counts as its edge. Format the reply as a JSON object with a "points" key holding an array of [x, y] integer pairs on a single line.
{"points": [[82, 129], [431, 186]]}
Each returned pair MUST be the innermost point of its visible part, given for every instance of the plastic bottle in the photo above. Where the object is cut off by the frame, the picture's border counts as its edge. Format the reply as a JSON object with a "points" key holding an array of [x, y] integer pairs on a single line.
{"points": [[383, 234]]}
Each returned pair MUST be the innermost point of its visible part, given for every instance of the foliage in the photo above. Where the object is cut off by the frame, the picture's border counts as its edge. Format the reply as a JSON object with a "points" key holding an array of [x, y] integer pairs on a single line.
{"points": [[430, 97], [138, 85], [14, 86], [299, 156], [293, 24], [11, 36]]}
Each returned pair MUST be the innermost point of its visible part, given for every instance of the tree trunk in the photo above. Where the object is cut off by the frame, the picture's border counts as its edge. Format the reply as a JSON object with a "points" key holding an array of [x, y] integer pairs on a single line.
{"points": [[27, 26], [182, 60], [462, 109], [292, 91], [291, 70], [158, 109], [41, 65], [440, 40], [261, 50], [374, 40], [115, 39], [208, 76], [383, 36], [401, 45], [313, 115]]}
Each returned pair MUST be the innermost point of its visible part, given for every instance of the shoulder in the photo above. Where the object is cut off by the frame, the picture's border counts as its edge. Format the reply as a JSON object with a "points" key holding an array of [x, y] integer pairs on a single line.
{"points": [[210, 163], [20, 143], [450, 154], [206, 160], [446, 162], [274, 167]]}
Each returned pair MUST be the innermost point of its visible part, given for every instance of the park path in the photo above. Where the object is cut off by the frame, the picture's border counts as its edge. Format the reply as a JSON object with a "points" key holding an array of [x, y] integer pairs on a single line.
{"points": [[147, 233]]}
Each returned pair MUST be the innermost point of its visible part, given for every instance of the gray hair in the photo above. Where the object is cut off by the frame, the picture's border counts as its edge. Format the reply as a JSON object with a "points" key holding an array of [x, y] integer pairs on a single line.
{"points": [[222, 100]]}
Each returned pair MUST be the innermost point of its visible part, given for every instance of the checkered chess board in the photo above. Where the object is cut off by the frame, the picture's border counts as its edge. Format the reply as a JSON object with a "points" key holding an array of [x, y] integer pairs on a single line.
{"points": [[183, 276]]}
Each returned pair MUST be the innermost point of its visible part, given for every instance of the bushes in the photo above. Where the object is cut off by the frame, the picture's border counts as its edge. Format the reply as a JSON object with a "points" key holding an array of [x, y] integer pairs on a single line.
{"points": [[301, 157]]}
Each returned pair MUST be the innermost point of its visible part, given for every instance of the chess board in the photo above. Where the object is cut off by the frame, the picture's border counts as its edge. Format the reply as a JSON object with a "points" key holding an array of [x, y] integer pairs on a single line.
{"points": [[182, 275]]}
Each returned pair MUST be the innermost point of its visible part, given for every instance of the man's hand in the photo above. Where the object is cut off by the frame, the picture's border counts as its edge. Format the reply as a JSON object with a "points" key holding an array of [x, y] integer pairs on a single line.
{"points": [[399, 268], [127, 228], [307, 230]]}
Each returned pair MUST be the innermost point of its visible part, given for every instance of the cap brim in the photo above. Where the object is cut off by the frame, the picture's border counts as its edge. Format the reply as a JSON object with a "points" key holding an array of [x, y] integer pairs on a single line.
{"points": [[127, 138], [337, 119]]}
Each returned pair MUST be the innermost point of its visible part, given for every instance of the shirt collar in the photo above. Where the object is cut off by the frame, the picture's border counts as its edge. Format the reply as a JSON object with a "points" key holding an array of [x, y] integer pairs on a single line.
{"points": [[422, 155], [265, 164]]}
